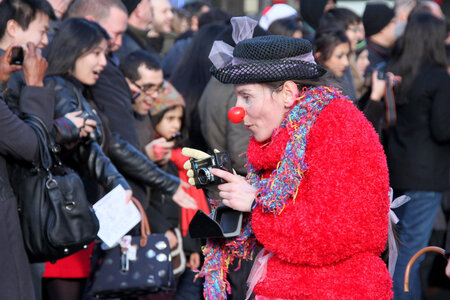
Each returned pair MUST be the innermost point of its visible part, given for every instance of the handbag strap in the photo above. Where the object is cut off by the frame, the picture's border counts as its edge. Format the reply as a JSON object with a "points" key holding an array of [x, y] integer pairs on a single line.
{"points": [[145, 226], [43, 137], [51, 144]]}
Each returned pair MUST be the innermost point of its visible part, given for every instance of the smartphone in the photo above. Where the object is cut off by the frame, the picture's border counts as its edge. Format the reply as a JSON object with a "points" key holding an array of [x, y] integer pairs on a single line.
{"points": [[17, 55], [135, 96], [174, 136]]}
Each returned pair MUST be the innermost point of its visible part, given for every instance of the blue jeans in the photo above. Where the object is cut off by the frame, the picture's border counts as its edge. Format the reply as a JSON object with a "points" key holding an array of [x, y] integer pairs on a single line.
{"points": [[414, 231]]}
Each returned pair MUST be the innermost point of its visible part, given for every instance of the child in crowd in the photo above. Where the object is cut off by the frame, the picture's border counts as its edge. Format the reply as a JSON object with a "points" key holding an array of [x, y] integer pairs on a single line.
{"points": [[167, 113]]}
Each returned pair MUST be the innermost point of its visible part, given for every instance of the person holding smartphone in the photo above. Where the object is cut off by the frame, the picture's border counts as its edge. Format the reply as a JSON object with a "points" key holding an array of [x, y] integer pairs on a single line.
{"points": [[18, 141]]}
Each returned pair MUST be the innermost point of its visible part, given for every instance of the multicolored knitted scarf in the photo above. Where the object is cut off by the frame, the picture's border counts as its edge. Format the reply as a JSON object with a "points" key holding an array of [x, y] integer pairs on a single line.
{"points": [[273, 192]]}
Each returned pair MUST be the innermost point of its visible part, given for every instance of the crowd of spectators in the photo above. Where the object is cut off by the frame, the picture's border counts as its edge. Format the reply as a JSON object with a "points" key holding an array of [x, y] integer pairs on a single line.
{"points": [[140, 70]]}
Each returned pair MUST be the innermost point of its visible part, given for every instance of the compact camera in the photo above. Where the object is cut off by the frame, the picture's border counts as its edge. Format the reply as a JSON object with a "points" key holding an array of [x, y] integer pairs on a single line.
{"points": [[202, 169], [96, 134], [380, 67]]}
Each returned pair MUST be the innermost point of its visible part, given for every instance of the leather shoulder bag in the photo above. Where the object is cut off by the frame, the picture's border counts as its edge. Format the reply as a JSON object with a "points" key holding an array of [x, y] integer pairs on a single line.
{"points": [[56, 218]]}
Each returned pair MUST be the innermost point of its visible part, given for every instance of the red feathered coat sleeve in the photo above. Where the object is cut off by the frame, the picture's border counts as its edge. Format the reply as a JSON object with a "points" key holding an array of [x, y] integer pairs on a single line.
{"points": [[337, 224]]}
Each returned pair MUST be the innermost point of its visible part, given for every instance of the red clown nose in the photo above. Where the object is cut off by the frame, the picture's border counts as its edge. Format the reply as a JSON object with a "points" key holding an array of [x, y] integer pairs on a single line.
{"points": [[236, 114]]}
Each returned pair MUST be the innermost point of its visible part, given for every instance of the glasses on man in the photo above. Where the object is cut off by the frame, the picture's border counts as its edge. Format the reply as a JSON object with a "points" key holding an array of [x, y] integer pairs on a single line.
{"points": [[150, 88]]}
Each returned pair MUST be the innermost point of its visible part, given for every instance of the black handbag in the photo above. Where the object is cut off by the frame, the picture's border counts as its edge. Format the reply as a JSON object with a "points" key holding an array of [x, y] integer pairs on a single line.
{"points": [[116, 274], [56, 218]]}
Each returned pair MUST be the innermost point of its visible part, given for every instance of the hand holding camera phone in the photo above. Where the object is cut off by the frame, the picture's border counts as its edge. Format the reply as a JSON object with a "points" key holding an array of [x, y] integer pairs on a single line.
{"points": [[17, 56], [6, 68], [174, 137]]}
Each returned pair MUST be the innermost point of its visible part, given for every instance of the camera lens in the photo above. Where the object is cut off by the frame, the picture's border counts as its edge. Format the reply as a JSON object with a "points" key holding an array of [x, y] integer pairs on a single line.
{"points": [[204, 176]]}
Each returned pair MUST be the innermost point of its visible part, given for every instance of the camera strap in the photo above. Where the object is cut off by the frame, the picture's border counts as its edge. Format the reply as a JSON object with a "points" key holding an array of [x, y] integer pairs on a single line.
{"points": [[391, 113]]}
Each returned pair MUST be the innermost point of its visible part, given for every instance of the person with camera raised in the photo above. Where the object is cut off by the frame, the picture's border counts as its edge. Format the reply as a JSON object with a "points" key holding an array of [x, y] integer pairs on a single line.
{"points": [[76, 57], [18, 142], [380, 26], [22, 22], [317, 183], [418, 146]]}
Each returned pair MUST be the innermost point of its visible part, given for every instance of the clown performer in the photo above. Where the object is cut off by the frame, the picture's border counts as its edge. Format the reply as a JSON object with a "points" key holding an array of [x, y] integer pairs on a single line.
{"points": [[316, 193]]}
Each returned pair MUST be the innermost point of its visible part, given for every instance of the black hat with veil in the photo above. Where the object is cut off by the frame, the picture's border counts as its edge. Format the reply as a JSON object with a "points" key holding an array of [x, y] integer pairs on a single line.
{"points": [[261, 59]]}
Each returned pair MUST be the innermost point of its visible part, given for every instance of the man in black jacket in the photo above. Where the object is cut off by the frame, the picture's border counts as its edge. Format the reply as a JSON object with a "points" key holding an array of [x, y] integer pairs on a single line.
{"points": [[22, 22], [18, 141], [113, 98], [139, 20]]}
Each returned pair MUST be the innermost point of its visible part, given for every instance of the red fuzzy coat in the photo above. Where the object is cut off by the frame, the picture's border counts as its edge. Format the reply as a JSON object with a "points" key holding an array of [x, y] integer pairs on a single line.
{"points": [[327, 241]]}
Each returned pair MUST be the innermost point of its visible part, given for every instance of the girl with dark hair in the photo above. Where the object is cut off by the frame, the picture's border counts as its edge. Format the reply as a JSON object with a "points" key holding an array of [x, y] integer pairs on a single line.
{"points": [[317, 182], [351, 24], [418, 146], [331, 50], [76, 58], [167, 112], [190, 78]]}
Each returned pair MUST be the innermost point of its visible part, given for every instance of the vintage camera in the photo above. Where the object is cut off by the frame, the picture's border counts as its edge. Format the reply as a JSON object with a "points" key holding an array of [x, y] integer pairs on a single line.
{"points": [[17, 55], [202, 169]]}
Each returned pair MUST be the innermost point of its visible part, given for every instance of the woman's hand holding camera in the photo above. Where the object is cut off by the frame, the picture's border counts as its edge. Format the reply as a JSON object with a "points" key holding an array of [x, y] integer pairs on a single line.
{"points": [[86, 126], [237, 193], [379, 85]]}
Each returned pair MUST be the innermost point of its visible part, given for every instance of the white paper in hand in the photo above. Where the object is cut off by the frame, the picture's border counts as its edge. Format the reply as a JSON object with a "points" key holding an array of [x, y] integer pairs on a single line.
{"points": [[115, 216]]}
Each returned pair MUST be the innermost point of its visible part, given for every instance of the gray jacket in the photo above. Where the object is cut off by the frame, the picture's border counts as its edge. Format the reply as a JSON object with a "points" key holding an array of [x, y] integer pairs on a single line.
{"points": [[218, 131]]}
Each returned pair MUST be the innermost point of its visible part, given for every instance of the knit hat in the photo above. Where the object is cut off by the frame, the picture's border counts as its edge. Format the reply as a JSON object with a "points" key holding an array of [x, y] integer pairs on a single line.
{"points": [[170, 97], [131, 5], [376, 16], [276, 12], [267, 58]]}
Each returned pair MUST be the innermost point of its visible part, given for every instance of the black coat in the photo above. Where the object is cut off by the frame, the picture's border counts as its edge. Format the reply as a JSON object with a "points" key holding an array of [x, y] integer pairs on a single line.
{"points": [[18, 141], [418, 147], [88, 153], [112, 96]]}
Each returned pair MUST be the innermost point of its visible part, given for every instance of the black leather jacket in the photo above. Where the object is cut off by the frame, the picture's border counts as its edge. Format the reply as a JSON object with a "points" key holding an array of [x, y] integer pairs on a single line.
{"points": [[87, 152], [129, 161]]}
